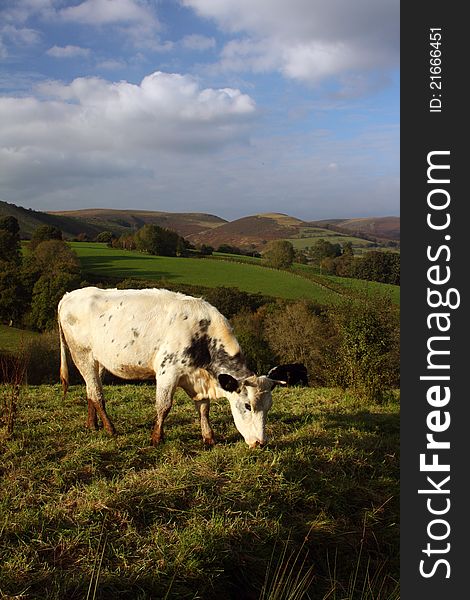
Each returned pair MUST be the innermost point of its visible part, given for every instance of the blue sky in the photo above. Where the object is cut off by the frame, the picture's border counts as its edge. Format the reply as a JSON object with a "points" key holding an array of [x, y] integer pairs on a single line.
{"points": [[231, 107]]}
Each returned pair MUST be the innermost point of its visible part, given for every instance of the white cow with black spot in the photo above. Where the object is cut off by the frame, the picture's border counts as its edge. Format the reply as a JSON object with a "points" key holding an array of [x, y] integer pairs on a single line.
{"points": [[181, 341]]}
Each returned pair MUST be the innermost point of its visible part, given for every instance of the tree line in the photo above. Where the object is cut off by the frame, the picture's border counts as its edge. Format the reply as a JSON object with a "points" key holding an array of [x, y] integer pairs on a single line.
{"points": [[31, 285]]}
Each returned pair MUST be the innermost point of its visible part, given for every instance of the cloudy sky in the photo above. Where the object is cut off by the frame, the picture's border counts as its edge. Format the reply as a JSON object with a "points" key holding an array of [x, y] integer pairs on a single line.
{"points": [[232, 107]]}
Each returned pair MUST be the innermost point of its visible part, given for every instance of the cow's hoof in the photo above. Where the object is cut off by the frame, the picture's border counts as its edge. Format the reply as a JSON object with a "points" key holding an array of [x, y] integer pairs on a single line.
{"points": [[155, 441], [209, 441]]}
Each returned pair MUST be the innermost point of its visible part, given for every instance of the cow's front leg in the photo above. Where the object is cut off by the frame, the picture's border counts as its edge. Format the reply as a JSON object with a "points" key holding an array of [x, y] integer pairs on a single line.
{"points": [[202, 407], [163, 403]]}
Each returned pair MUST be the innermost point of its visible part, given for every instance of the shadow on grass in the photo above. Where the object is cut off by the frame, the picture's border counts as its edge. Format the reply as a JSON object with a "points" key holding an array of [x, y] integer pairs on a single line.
{"points": [[108, 265]]}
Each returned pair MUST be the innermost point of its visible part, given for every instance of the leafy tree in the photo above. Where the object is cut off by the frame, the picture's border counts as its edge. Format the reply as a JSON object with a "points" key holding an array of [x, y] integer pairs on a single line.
{"points": [[348, 249], [206, 250], [13, 295], [53, 256], [156, 240], [10, 246], [47, 292], [279, 254], [379, 266], [367, 356], [248, 328], [105, 236], [43, 233], [324, 249]]}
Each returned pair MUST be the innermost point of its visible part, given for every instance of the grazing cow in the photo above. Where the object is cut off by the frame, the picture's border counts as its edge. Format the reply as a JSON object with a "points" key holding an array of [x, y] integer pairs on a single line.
{"points": [[292, 374], [181, 341]]}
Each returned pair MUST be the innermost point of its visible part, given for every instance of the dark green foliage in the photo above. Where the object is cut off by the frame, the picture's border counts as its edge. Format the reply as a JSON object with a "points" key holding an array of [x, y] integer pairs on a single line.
{"points": [[51, 257], [47, 292], [51, 269], [249, 330], [13, 294], [366, 357], [279, 254], [230, 301], [10, 249], [105, 237], [43, 233], [157, 240], [379, 266], [324, 249], [206, 250]]}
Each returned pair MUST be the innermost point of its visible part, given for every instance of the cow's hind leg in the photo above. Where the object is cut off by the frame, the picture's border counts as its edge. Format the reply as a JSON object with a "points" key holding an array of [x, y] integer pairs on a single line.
{"points": [[202, 407], [92, 420], [163, 402], [90, 371]]}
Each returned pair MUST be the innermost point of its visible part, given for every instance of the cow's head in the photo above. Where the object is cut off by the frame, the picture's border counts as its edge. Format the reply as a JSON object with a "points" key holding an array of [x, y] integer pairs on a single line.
{"points": [[250, 399]]}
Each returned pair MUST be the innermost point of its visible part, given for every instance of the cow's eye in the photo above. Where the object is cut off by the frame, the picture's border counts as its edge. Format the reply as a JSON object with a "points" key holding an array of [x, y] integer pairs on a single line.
{"points": [[247, 406]]}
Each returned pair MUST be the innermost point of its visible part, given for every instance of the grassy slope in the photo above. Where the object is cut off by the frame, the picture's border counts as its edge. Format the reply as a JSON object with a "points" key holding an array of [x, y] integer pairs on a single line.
{"points": [[192, 522], [12, 338], [100, 259]]}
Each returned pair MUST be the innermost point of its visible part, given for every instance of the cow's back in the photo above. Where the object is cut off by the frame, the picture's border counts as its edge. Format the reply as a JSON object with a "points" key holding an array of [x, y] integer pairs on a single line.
{"points": [[130, 332]]}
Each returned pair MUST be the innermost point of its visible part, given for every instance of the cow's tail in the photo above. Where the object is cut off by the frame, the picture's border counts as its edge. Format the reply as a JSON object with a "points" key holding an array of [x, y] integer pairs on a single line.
{"points": [[64, 369]]}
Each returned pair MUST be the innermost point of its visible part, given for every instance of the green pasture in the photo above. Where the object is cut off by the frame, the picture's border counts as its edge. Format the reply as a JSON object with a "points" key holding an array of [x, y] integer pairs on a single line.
{"points": [[12, 339], [333, 238], [84, 516], [100, 260]]}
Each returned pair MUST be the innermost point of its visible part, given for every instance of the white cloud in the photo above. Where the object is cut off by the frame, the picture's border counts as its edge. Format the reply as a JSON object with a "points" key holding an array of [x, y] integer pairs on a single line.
{"points": [[105, 12], [307, 40], [97, 129], [68, 51], [198, 42]]}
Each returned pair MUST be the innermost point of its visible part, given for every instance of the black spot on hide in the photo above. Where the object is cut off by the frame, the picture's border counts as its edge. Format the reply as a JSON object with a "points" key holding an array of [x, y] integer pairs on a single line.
{"points": [[198, 352], [204, 325]]}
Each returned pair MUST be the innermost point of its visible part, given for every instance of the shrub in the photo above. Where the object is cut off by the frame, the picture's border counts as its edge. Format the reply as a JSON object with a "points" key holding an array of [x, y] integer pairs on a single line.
{"points": [[299, 332], [249, 330], [279, 254], [367, 356], [230, 301], [47, 292]]}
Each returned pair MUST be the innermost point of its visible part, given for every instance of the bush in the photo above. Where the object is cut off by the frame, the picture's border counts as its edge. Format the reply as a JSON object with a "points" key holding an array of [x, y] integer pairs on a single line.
{"points": [[299, 332], [249, 331], [230, 301], [366, 359], [47, 292], [279, 254]]}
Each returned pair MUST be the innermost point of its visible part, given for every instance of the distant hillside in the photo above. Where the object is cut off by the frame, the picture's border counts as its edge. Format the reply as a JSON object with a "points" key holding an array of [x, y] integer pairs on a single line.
{"points": [[253, 231], [29, 220], [183, 223], [387, 228]]}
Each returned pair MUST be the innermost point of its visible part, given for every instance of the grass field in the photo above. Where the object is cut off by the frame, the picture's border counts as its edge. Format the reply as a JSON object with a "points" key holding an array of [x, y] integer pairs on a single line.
{"points": [[83, 515], [101, 260], [12, 338]]}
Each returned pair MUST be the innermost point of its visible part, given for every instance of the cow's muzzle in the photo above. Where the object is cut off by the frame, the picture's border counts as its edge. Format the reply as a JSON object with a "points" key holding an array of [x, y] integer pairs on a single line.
{"points": [[257, 444]]}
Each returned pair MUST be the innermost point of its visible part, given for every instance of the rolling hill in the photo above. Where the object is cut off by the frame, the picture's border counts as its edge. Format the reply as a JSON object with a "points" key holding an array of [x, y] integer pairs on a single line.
{"points": [[29, 220], [251, 232], [184, 224], [387, 228]]}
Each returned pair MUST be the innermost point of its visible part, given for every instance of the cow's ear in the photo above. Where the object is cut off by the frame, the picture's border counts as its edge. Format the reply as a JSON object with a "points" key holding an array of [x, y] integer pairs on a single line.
{"points": [[228, 383]]}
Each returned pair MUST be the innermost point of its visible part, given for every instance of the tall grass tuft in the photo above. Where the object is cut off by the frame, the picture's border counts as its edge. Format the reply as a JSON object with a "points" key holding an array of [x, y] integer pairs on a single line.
{"points": [[288, 578], [13, 372], [371, 585], [95, 574]]}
